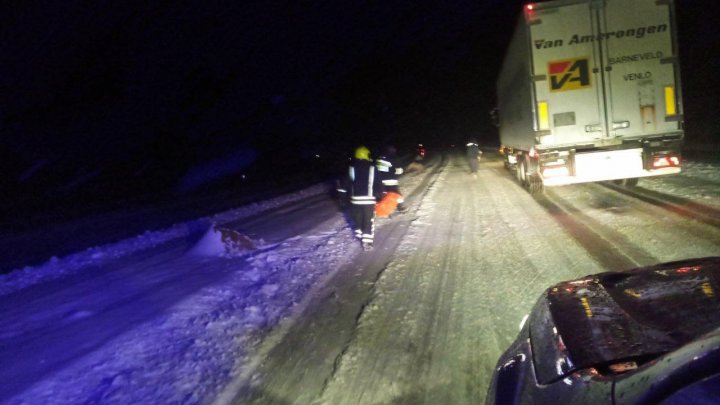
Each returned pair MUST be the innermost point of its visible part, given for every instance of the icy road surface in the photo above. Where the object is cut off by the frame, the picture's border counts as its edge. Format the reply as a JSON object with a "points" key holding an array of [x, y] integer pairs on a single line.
{"points": [[305, 316]]}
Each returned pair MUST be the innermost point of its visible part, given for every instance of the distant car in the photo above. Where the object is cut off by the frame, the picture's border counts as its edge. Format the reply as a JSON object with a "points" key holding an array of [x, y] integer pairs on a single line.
{"points": [[420, 152], [645, 336]]}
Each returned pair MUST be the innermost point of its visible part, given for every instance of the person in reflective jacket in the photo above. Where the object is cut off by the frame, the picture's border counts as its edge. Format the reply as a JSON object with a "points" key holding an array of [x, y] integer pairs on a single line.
{"points": [[363, 188], [388, 172]]}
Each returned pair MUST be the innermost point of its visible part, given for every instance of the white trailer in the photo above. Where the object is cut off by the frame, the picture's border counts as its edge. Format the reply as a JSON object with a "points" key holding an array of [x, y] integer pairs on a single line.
{"points": [[590, 91]]}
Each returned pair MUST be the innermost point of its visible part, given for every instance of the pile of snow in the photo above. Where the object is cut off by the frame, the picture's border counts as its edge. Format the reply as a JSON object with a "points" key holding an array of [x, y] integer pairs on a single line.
{"points": [[219, 241], [196, 316], [101, 255]]}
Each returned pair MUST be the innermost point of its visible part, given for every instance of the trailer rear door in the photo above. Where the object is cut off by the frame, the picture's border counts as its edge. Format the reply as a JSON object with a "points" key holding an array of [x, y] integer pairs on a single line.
{"points": [[568, 93], [639, 59], [603, 70]]}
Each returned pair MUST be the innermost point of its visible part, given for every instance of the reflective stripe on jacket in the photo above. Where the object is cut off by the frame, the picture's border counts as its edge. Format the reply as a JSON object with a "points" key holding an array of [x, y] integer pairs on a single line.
{"points": [[362, 178]]}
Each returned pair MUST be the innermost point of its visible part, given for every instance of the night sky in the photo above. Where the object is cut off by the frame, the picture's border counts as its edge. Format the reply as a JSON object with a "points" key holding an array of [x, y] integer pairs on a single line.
{"points": [[105, 100]]}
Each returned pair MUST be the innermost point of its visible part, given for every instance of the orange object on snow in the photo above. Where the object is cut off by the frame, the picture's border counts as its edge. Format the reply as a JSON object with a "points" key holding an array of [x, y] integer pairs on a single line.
{"points": [[387, 205]]}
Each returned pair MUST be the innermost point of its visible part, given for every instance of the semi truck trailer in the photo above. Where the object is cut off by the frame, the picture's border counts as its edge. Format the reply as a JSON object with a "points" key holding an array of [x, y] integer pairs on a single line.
{"points": [[589, 90]]}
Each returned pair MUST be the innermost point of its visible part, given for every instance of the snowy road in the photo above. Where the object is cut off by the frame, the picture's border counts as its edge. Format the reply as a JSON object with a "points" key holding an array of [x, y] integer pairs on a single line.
{"points": [[308, 317], [474, 259]]}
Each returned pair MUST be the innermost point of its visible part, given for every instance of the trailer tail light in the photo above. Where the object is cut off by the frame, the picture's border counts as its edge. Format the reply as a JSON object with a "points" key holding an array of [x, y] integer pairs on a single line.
{"points": [[530, 16], [665, 161], [543, 116], [670, 100]]}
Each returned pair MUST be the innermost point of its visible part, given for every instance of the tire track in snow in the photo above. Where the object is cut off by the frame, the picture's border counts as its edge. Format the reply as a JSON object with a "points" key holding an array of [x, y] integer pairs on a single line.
{"points": [[677, 205], [295, 363], [409, 341], [596, 238], [625, 232], [443, 311], [533, 241]]}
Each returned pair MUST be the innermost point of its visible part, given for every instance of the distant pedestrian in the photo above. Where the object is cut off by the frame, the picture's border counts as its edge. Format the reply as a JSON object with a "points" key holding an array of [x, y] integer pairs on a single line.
{"points": [[473, 153], [363, 188], [388, 172]]}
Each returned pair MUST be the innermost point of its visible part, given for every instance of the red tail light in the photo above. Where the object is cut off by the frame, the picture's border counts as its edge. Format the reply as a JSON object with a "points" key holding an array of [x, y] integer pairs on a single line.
{"points": [[530, 11], [665, 161]]}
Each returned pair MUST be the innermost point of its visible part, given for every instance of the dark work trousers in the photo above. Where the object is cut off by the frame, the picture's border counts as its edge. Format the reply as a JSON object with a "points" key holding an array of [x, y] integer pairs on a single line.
{"points": [[473, 165], [363, 216]]}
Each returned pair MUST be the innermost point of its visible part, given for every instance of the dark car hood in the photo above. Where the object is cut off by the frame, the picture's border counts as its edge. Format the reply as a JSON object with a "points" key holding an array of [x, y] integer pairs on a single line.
{"points": [[637, 314]]}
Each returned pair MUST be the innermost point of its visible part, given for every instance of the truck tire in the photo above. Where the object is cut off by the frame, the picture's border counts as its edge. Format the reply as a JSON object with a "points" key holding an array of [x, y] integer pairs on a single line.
{"points": [[632, 182], [524, 172], [529, 177], [519, 170], [535, 184]]}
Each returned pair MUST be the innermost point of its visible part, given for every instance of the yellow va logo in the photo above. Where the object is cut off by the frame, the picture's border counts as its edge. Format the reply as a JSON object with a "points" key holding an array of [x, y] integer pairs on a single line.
{"points": [[569, 74]]}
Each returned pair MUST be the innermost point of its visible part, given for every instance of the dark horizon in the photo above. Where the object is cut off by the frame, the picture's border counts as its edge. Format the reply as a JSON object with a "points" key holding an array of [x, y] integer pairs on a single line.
{"points": [[161, 99]]}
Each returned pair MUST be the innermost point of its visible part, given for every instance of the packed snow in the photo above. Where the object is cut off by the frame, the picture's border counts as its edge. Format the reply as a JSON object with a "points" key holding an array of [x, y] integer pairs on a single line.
{"points": [[192, 313]]}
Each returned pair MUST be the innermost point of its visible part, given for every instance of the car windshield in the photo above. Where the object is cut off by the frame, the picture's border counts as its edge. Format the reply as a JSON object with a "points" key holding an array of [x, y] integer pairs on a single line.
{"points": [[612, 317]]}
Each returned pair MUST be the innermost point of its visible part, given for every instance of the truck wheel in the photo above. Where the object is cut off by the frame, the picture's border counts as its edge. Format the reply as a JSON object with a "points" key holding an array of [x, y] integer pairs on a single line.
{"points": [[522, 172], [518, 172], [632, 182], [535, 184]]}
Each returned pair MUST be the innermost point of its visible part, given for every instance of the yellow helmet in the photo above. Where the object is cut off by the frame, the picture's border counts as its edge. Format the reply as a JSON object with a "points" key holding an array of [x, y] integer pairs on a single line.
{"points": [[362, 153]]}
